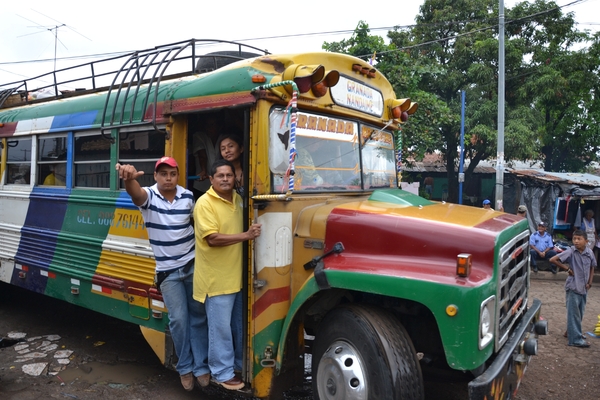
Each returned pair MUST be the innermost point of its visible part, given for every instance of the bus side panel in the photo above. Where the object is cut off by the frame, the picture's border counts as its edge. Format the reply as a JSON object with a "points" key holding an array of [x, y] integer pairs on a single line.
{"points": [[89, 248], [12, 218]]}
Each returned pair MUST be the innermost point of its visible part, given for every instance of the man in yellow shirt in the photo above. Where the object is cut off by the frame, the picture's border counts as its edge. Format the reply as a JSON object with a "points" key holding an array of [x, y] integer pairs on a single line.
{"points": [[218, 223]]}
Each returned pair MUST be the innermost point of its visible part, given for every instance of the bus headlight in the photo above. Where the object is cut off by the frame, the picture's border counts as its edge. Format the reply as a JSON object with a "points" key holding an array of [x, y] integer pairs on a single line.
{"points": [[486, 321]]}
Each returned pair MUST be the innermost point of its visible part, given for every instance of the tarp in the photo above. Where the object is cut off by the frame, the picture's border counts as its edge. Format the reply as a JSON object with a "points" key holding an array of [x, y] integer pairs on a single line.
{"points": [[539, 198]]}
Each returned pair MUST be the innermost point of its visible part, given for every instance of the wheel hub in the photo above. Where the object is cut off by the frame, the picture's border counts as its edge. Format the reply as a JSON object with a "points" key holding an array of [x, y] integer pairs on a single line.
{"points": [[341, 373]]}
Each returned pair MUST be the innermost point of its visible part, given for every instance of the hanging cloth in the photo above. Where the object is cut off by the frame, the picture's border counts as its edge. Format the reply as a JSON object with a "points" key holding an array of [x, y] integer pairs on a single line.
{"points": [[577, 222]]}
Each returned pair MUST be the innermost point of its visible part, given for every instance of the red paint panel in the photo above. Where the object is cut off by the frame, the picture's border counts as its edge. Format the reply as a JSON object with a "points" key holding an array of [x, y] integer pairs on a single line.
{"points": [[105, 281], [8, 129], [155, 294], [149, 113], [272, 296], [395, 245], [498, 223], [193, 104]]}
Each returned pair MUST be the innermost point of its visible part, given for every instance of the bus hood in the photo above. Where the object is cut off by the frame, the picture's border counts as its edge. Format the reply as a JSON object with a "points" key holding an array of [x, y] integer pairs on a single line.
{"points": [[396, 233]]}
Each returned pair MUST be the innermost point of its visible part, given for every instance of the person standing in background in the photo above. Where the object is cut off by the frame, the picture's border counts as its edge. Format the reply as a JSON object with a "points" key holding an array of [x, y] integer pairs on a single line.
{"points": [[579, 262], [588, 225], [205, 152], [428, 182], [230, 147]]}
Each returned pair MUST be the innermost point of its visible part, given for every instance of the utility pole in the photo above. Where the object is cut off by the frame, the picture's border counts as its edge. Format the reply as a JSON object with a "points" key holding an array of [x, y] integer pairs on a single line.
{"points": [[500, 151], [461, 174]]}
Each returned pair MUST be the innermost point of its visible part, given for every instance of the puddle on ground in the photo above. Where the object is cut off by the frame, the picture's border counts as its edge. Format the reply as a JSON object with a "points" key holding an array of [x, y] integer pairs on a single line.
{"points": [[95, 372]]}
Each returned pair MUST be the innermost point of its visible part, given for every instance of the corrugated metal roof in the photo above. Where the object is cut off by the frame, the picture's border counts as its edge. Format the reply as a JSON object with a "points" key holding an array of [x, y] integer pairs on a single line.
{"points": [[568, 177]]}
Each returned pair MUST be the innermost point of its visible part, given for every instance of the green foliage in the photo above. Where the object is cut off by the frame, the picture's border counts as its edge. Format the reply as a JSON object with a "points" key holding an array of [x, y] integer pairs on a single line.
{"points": [[552, 110]]}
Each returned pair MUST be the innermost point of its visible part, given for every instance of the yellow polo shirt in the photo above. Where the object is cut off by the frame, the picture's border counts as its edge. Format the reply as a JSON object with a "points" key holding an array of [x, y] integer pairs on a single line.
{"points": [[217, 270]]}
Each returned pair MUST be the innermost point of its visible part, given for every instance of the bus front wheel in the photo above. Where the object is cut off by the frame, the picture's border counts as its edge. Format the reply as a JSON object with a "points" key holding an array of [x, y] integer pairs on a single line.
{"points": [[364, 353]]}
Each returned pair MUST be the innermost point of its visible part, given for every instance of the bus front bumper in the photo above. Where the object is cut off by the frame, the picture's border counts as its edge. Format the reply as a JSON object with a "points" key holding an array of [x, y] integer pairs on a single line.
{"points": [[502, 378]]}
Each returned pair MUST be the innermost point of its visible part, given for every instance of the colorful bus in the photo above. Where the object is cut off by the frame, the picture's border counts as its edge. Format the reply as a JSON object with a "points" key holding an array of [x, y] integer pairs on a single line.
{"points": [[379, 287]]}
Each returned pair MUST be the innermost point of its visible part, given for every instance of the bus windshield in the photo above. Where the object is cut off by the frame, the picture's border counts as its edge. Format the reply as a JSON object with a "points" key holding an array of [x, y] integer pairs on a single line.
{"points": [[329, 155]]}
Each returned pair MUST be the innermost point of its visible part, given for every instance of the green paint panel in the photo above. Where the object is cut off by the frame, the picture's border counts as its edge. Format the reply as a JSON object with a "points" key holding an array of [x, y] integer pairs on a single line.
{"points": [[459, 333], [399, 197], [60, 288], [267, 337]]}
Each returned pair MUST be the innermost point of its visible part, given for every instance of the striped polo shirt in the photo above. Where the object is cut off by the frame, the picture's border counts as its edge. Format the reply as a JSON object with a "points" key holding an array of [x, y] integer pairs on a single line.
{"points": [[169, 227]]}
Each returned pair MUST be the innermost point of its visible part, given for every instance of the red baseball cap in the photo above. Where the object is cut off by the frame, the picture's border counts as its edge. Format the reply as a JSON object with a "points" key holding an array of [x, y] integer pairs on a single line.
{"points": [[170, 161]]}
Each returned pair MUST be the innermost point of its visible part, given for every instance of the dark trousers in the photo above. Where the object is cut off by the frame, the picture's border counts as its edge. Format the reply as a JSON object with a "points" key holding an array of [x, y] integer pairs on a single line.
{"points": [[534, 257]]}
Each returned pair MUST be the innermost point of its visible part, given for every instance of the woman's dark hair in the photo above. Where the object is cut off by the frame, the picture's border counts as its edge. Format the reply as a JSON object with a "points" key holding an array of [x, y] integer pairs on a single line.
{"points": [[236, 138]]}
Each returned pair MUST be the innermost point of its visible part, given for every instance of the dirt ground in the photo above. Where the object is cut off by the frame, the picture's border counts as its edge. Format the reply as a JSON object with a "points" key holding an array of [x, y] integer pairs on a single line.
{"points": [[110, 359], [560, 371]]}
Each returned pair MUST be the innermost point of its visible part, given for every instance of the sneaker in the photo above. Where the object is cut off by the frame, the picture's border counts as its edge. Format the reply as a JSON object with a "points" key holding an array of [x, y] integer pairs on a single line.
{"points": [[234, 383], [203, 380], [187, 381]]}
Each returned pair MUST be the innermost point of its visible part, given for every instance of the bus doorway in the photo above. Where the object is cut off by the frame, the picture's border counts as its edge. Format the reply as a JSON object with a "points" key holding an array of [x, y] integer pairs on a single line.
{"points": [[205, 131]]}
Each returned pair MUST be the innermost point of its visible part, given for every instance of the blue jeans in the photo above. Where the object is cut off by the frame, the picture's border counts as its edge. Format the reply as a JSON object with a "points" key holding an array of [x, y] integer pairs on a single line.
{"points": [[224, 335], [187, 323], [575, 309]]}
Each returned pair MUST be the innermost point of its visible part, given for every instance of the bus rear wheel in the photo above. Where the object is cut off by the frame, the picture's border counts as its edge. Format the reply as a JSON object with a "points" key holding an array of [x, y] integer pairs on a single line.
{"points": [[364, 353]]}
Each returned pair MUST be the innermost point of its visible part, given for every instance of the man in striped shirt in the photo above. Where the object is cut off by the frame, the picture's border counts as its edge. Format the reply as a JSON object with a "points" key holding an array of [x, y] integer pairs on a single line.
{"points": [[167, 209]]}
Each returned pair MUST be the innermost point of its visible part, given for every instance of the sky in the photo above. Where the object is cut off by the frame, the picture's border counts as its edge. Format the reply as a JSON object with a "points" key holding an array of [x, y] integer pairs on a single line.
{"points": [[30, 28]]}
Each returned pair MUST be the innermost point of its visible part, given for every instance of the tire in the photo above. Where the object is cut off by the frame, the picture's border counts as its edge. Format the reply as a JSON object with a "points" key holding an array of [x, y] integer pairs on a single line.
{"points": [[218, 59], [363, 353]]}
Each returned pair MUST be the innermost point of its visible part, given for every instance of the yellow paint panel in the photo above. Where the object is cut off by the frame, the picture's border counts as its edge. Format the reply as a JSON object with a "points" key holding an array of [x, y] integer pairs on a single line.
{"points": [[140, 301], [274, 312], [115, 294], [128, 223], [448, 213], [156, 340], [126, 266], [262, 383]]}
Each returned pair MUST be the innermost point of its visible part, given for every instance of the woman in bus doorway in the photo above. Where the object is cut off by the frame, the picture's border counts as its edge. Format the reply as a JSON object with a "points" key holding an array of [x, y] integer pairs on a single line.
{"points": [[231, 148]]}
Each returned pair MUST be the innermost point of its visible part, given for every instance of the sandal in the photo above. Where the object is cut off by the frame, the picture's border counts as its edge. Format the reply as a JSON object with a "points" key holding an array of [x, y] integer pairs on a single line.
{"points": [[582, 345], [582, 335]]}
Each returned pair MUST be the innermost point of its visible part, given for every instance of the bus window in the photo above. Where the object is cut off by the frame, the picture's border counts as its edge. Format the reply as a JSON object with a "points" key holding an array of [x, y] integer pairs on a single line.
{"points": [[327, 153], [18, 161], [52, 161], [379, 162], [141, 149], [92, 161]]}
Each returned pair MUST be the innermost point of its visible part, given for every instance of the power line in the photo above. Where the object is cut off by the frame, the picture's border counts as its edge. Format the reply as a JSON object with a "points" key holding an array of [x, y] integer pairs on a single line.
{"points": [[322, 33]]}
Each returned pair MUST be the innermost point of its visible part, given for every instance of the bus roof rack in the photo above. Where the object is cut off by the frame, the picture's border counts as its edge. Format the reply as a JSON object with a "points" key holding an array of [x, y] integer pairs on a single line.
{"points": [[127, 69]]}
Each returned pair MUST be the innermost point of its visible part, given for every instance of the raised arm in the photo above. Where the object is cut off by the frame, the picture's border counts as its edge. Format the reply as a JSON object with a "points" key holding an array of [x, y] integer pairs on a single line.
{"points": [[129, 175]]}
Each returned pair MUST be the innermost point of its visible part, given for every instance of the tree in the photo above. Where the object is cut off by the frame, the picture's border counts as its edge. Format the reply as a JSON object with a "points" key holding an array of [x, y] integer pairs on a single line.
{"points": [[562, 86], [551, 93]]}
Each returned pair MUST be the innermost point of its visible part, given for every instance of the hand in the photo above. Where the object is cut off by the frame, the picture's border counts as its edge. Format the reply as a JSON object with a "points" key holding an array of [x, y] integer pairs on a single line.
{"points": [[254, 231], [128, 172]]}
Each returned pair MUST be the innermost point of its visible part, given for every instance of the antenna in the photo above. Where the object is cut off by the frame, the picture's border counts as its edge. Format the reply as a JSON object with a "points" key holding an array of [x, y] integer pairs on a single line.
{"points": [[55, 33]]}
